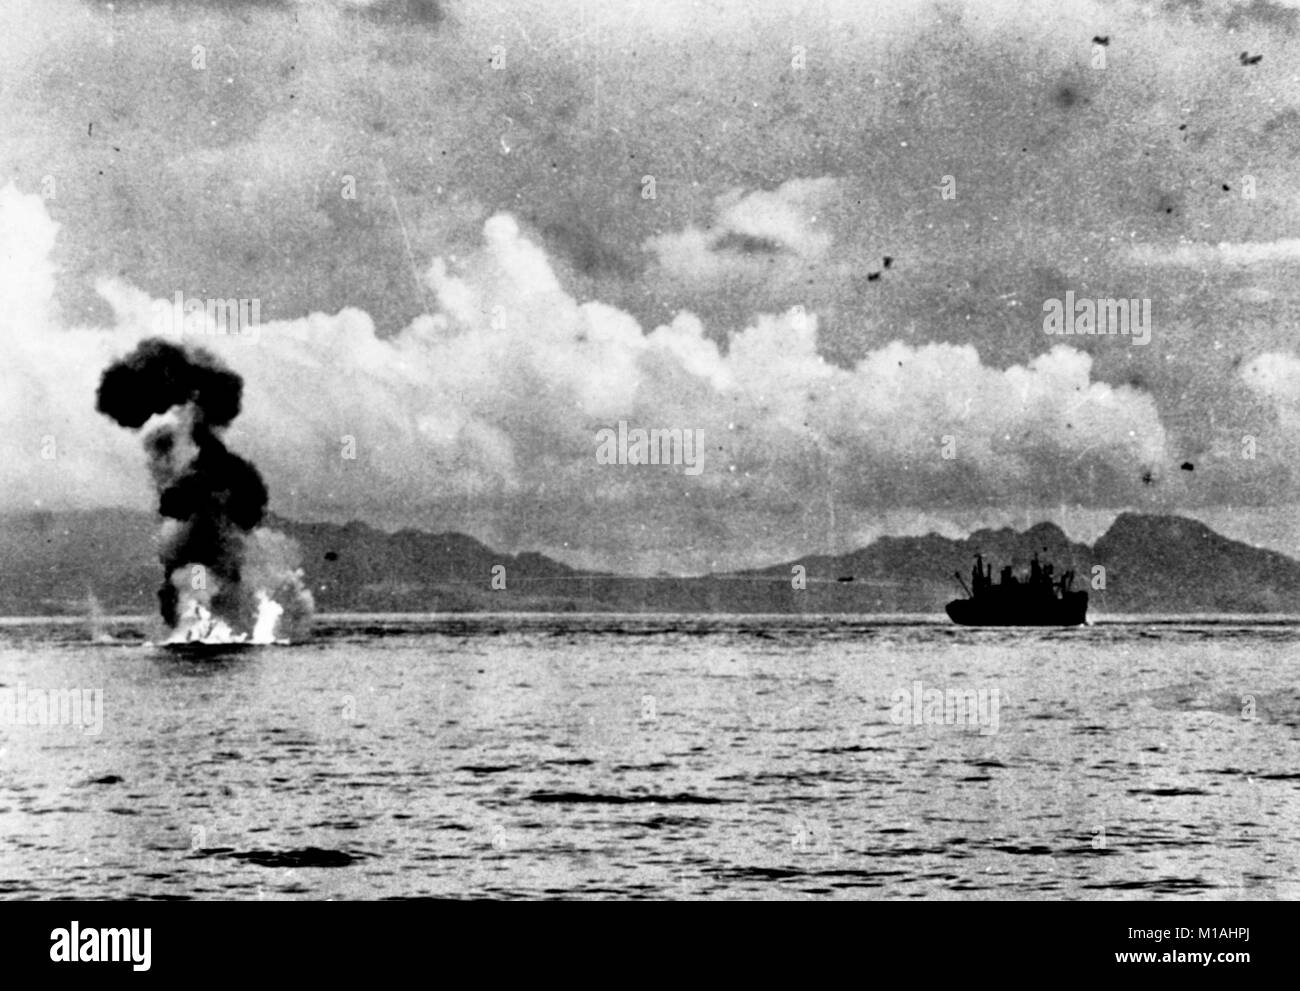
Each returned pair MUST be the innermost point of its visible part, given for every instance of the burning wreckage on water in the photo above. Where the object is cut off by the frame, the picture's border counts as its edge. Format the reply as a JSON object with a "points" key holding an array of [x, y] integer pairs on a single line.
{"points": [[226, 579]]}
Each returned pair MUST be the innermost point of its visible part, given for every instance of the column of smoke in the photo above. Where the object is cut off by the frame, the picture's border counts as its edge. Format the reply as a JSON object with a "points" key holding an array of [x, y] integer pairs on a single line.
{"points": [[225, 577]]}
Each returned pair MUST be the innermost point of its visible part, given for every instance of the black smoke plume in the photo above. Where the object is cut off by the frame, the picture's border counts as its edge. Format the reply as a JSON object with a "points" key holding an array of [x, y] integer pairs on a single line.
{"points": [[214, 499], [158, 375]]}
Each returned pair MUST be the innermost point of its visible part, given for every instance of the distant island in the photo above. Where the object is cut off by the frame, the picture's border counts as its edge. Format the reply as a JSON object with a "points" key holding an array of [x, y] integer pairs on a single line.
{"points": [[53, 563]]}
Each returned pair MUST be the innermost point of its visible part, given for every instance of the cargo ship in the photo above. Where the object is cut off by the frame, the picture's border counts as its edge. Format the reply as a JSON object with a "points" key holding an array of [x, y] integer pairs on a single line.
{"points": [[1038, 600]]}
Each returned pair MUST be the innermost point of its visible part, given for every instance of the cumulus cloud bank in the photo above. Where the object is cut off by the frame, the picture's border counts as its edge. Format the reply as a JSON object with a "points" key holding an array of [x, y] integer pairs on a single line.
{"points": [[483, 414]]}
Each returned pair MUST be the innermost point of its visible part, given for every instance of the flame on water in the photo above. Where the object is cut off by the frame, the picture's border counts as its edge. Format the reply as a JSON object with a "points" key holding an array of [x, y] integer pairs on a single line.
{"points": [[198, 624], [268, 618], [267, 603]]}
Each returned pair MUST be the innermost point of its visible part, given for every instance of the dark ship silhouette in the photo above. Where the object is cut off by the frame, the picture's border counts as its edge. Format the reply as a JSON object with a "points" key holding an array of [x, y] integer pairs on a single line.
{"points": [[1040, 600]]}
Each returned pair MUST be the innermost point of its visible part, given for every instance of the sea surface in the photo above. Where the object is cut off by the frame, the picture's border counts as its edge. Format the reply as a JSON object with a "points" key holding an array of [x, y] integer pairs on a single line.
{"points": [[598, 756]]}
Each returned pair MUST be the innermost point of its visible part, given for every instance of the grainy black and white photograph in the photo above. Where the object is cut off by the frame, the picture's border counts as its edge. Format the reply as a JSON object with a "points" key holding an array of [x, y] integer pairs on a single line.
{"points": [[649, 449]]}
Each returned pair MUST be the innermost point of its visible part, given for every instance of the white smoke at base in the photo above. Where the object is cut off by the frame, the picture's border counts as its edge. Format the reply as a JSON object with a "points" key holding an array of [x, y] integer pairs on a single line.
{"points": [[272, 575], [271, 602], [197, 624]]}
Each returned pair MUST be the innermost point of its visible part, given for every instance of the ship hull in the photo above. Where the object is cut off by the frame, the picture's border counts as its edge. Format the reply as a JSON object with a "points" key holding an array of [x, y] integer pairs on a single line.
{"points": [[1070, 611]]}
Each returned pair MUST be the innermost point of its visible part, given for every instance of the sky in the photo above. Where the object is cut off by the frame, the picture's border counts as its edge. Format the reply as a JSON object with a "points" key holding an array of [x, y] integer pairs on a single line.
{"points": [[821, 235]]}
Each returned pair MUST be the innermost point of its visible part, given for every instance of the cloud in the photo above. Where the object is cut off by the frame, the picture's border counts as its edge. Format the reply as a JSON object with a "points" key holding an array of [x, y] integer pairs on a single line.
{"points": [[483, 415], [752, 235], [1275, 378], [1281, 251]]}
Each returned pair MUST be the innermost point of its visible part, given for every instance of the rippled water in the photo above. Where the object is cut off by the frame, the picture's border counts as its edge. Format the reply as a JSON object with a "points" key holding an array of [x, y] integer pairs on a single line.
{"points": [[693, 757]]}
